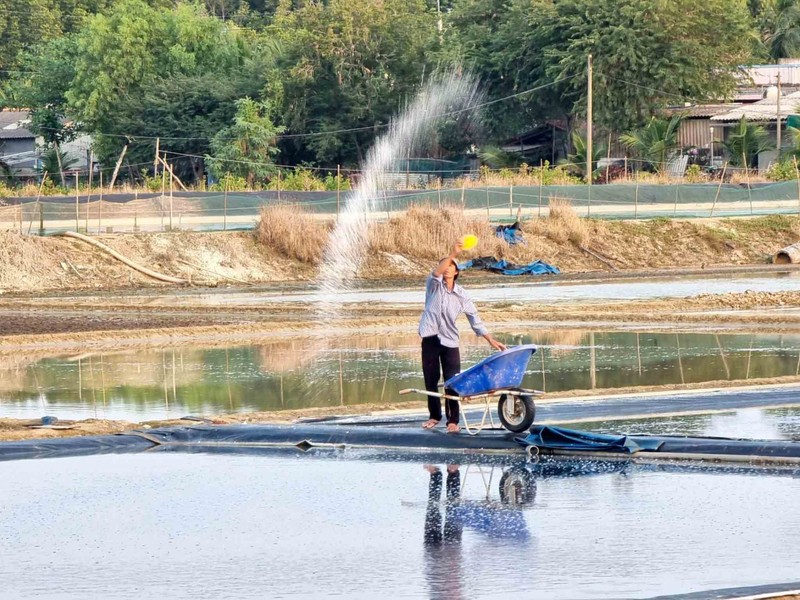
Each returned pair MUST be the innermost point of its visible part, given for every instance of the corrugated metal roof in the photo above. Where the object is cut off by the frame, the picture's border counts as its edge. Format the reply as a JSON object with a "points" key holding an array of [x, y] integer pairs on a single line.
{"points": [[764, 110], [12, 124], [702, 110]]}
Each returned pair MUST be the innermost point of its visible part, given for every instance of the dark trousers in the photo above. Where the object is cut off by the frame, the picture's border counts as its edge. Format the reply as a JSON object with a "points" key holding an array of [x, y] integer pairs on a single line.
{"points": [[453, 527], [434, 355]]}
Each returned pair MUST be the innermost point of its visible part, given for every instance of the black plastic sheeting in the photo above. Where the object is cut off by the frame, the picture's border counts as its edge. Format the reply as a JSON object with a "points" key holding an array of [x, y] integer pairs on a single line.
{"points": [[305, 436]]}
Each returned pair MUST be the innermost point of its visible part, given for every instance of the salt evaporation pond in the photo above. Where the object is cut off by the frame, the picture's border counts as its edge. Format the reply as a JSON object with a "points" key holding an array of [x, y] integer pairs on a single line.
{"points": [[302, 372], [539, 290], [274, 524]]}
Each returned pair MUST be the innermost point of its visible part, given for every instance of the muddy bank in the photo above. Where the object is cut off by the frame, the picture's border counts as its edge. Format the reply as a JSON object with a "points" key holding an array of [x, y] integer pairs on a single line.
{"points": [[399, 249], [20, 429], [82, 325]]}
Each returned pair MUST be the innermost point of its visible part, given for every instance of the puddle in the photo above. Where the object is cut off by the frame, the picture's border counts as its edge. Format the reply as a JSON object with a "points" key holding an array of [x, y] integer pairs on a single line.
{"points": [[303, 373], [274, 524]]}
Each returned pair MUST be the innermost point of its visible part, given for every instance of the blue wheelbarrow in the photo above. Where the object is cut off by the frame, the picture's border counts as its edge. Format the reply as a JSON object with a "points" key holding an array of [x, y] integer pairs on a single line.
{"points": [[496, 376]]}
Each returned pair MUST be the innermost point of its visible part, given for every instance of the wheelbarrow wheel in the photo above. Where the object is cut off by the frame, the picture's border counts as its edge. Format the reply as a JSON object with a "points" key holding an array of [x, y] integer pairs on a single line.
{"points": [[518, 487], [516, 412]]}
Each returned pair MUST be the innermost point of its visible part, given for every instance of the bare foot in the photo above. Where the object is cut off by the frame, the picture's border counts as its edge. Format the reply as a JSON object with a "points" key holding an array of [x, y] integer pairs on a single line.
{"points": [[453, 428], [430, 424]]}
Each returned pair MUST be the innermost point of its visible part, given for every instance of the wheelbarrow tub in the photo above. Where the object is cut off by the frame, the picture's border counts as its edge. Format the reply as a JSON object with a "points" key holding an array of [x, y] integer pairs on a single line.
{"points": [[502, 370]]}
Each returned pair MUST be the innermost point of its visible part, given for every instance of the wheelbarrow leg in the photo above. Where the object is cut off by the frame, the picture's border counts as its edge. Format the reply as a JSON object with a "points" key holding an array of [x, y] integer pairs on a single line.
{"points": [[486, 411]]}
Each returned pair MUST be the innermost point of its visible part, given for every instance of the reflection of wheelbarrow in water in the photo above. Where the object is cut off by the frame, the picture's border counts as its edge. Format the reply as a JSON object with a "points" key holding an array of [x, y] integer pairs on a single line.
{"points": [[496, 376]]}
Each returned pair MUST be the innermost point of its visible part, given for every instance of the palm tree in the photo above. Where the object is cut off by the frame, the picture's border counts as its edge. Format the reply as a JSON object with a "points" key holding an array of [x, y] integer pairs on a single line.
{"points": [[780, 24], [578, 159], [496, 158], [745, 143], [56, 161], [656, 142]]}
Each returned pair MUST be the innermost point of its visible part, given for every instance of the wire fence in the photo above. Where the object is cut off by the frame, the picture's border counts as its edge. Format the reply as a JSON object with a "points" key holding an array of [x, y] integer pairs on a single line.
{"points": [[132, 212]]}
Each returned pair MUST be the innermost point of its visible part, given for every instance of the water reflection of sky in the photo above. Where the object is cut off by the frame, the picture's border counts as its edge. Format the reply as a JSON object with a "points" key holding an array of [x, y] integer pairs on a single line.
{"points": [[301, 373], [747, 423], [278, 525]]}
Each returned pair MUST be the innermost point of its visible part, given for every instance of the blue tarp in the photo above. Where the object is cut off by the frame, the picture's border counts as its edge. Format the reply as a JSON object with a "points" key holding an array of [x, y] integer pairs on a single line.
{"points": [[490, 263], [512, 234], [559, 438]]}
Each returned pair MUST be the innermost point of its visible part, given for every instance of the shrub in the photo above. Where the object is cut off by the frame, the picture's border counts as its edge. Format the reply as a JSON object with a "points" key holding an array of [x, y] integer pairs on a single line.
{"points": [[782, 171], [230, 182]]}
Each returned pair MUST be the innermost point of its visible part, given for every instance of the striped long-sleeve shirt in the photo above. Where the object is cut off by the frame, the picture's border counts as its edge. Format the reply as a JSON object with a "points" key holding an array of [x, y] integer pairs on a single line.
{"points": [[442, 307]]}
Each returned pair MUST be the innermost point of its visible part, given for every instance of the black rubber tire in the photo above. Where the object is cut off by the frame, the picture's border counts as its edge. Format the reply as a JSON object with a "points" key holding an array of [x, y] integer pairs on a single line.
{"points": [[518, 487], [523, 419]]}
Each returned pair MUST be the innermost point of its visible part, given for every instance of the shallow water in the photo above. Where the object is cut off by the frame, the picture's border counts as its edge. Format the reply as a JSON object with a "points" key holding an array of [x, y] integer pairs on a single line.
{"points": [[301, 373], [275, 525], [505, 290], [747, 423]]}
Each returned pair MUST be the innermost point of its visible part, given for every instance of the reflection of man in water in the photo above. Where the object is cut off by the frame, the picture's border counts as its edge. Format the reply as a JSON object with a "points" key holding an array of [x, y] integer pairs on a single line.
{"points": [[443, 540]]}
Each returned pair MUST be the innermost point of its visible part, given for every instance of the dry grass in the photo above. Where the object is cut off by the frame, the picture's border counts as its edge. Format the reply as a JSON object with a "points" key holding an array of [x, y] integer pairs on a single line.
{"points": [[562, 224], [429, 233], [293, 232]]}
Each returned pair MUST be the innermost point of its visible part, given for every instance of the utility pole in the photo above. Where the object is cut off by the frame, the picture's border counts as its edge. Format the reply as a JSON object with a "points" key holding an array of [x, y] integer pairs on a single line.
{"points": [[439, 25], [779, 115], [589, 125]]}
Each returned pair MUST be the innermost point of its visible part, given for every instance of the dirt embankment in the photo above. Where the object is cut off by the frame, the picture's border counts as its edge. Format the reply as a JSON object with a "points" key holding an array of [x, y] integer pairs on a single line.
{"points": [[404, 247]]}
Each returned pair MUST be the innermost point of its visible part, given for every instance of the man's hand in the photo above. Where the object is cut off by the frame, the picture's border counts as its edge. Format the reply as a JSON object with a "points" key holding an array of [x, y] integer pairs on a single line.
{"points": [[458, 248], [494, 343]]}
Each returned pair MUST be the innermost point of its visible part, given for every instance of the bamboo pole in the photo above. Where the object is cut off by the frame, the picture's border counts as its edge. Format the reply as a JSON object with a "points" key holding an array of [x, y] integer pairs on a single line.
{"points": [[100, 206], [719, 188], [675, 208], [163, 194], [541, 184], [722, 355], [77, 205], [225, 206], [544, 377], [680, 360], [171, 190], [39, 206], [636, 198], [341, 384], [797, 176], [638, 354], [116, 169], [747, 178]]}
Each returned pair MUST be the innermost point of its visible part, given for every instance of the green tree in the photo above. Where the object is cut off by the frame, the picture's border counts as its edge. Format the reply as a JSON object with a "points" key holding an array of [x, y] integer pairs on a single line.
{"points": [[745, 142], [647, 53], [656, 142], [144, 70], [345, 69], [247, 147]]}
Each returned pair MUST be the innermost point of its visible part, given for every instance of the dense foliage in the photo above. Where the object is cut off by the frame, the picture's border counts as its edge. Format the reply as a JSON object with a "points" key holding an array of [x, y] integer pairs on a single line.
{"points": [[322, 78]]}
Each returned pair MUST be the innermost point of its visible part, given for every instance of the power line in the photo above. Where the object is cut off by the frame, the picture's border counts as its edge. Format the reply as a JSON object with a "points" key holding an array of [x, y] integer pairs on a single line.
{"points": [[133, 136]]}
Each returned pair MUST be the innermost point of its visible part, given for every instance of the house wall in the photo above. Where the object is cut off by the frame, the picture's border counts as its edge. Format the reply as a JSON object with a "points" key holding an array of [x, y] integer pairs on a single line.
{"points": [[698, 132], [23, 165]]}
